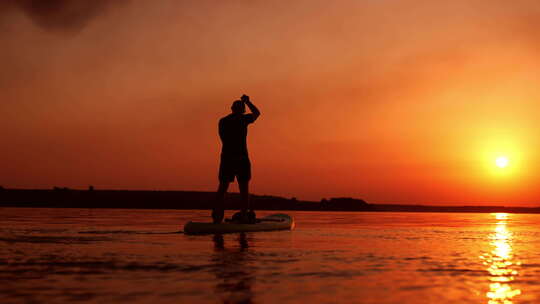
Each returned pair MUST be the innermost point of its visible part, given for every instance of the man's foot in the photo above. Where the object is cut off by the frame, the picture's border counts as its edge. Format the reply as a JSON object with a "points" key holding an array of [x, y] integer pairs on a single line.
{"points": [[217, 215], [252, 216]]}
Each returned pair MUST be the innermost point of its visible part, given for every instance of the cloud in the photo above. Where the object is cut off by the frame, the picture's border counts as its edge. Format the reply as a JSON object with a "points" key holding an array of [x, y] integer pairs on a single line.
{"points": [[60, 15]]}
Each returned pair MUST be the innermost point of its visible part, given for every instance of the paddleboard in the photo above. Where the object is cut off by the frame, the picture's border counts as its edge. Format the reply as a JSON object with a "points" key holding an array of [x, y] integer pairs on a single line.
{"points": [[268, 223]]}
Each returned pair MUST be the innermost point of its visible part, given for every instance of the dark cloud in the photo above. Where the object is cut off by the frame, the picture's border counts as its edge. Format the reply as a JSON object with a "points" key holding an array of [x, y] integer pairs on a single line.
{"points": [[60, 15]]}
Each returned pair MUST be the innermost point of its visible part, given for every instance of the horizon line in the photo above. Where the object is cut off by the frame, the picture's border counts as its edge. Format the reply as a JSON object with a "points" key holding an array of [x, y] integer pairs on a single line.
{"points": [[428, 204]]}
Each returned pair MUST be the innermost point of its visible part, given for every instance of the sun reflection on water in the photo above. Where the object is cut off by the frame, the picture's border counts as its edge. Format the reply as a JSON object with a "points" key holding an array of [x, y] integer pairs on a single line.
{"points": [[501, 264]]}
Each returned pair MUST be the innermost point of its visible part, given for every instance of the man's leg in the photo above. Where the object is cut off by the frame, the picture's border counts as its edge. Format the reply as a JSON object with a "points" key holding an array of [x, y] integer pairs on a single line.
{"points": [[247, 212], [243, 178], [243, 175], [244, 194], [219, 205]]}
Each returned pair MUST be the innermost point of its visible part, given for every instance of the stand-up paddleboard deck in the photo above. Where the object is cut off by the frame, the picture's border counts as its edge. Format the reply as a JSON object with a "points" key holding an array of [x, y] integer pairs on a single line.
{"points": [[268, 223]]}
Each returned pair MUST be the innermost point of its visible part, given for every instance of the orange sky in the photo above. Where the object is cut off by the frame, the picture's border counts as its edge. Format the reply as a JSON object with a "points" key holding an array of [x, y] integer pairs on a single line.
{"points": [[390, 101]]}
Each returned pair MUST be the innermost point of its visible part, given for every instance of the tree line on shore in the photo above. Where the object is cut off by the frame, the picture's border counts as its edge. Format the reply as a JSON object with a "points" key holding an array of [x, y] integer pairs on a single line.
{"points": [[62, 197]]}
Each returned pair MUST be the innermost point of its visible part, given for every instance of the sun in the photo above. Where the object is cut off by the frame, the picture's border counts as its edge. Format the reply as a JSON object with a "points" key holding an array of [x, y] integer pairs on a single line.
{"points": [[502, 161]]}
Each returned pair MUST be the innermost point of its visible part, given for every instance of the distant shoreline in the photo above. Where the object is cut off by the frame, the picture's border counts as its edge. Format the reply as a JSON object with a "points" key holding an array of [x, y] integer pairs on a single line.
{"points": [[144, 199]]}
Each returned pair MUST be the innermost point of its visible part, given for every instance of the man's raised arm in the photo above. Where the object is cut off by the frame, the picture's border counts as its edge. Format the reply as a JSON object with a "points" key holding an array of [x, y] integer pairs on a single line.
{"points": [[256, 113]]}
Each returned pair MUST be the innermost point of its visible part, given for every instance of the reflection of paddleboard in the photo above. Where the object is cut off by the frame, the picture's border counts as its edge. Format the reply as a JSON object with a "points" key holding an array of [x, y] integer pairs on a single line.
{"points": [[267, 223]]}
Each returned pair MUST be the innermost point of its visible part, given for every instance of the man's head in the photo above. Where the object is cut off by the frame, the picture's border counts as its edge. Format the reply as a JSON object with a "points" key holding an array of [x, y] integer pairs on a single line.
{"points": [[238, 107]]}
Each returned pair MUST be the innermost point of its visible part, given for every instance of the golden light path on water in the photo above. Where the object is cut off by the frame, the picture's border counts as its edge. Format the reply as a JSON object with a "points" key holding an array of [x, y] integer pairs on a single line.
{"points": [[501, 265]]}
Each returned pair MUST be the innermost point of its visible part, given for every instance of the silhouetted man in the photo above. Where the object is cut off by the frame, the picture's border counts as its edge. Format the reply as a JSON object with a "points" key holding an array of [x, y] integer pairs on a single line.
{"points": [[235, 159]]}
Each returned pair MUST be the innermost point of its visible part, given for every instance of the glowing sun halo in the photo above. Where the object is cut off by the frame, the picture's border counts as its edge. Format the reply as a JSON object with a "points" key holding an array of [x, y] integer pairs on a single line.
{"points": [[502, 161]]}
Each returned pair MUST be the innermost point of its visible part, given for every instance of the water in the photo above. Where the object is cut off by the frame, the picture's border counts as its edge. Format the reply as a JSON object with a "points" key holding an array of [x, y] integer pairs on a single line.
{"points": [[103, 256]]}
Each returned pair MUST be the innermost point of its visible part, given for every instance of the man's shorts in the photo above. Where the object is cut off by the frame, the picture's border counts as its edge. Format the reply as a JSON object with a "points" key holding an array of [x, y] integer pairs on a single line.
{"points": [[231, 167]]}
